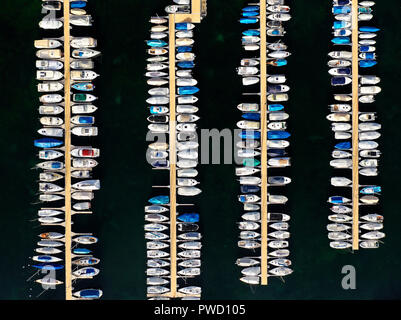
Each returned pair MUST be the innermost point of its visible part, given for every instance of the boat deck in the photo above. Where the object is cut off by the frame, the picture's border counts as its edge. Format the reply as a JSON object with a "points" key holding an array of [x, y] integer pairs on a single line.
{"points": [[355, 128], [67, 145], [263, 141]]}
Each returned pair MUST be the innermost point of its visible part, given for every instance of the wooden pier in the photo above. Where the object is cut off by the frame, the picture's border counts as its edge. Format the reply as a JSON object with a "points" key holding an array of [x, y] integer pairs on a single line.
{"points": [[67, 145], [263, 141], [173, 161], [198, 10], [355, 128]]}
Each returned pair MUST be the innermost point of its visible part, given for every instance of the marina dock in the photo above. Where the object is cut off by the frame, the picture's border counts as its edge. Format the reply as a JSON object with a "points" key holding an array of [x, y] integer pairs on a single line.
{"points": [[355, 127], [263, 142], [173, 161], [67, 144], [263, 145], [351, 227], [66, 88], [198, 11]]}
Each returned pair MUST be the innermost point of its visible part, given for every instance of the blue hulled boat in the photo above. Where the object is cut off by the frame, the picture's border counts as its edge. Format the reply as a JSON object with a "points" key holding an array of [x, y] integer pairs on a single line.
{"points": [[249, 189], [189, 217], [341, 40], [48, 266], [251, 116], [160, 200], [248, 20], [343, 146], [186, 64], [251, 32], [249, 134], [47, 143], [277, 135], [187, 90], [367, 63], [275, 107], [81, 251], [184, 49], [155, 43]]}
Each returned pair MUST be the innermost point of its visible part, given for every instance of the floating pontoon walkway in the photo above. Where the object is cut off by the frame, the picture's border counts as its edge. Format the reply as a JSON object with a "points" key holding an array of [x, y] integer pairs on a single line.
{"points": [[198, 10], [263, 141], [355, 127], [67, 144]]}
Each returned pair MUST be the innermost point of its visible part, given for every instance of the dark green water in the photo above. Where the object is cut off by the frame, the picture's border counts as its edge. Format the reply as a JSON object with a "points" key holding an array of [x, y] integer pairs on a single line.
{"points": [[121, 28]]}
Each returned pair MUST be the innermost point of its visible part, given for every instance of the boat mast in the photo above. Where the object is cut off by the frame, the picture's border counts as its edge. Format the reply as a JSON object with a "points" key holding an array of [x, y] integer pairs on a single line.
{"points": [[355, 128], [67, 144], [263, 129]]}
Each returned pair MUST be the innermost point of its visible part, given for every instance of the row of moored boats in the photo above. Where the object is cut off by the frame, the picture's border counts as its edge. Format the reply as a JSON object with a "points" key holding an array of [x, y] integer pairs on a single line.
{"points": [[249, 147], [160, 156], [50, 74], [340, 227]]}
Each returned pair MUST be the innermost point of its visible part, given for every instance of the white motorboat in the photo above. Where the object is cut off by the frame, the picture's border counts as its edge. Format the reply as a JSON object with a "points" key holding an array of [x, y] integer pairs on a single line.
{"points": [[156, 236], [156, 245], [276, 79], [340, 245], [373, 235], [281, 253], [279, 226], [192, 290], [83, 42], [340, 218], [279, 234], [50, 24], [251, 271], [337, 227], [250, 280], [280, 271], [49, 154], [85, 152], [155, 254], [191, 254], [245, 171], [341, 163], [82, 64], [190, 245], [79, 75], [341, 209], [49, 64], [247, 225], [85, 131], [82, 195], [339, 116], [280, 262], [51, 86], [247, 262], [249, 180], [157, 227], [184, 182], [248, 244], [249, 235], [278, 244], [251, 216], [340, 182], [155, 281], [187, 173], [84, 163], [85, 53], [87, 185], [372, 226], [369, 244]]}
